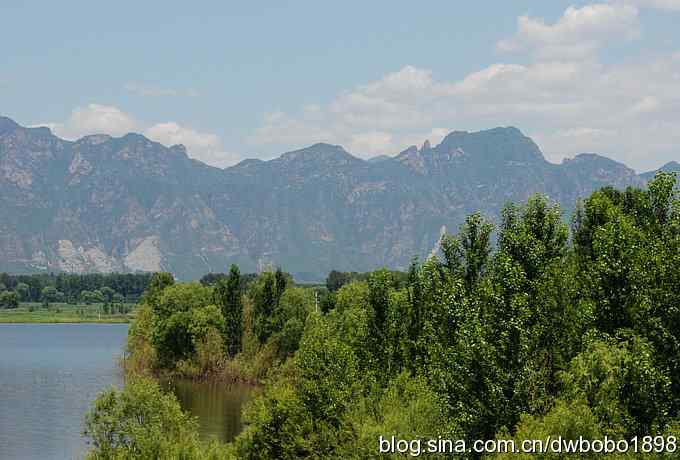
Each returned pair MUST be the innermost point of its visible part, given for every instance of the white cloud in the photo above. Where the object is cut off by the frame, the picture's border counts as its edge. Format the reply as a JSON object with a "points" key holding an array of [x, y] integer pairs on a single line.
{"points": [[206, 147], [647, 104], [171, 133], [106, 119], [623, 110], [94, 119], [579, 33], [155, 91], [372, 143]]}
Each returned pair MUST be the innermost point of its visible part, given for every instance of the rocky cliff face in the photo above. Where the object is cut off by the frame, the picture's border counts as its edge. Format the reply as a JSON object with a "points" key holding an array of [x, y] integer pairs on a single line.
{"points": [[128, 204]]}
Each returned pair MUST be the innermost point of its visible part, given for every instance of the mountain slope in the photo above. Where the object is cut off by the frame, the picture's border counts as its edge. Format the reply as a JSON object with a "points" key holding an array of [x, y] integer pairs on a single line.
{"points": [[126, 204], [671, 166]]}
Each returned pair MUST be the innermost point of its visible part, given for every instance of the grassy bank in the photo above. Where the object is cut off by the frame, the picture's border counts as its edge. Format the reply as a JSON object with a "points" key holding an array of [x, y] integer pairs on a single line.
{"points": [[62, 313]]}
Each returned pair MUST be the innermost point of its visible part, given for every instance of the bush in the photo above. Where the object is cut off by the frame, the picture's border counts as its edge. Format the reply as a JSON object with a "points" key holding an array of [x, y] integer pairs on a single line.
{"points": [[210, 351], [406, 409], [627, 390], [140, 422], [278, 427], [141, 356], [567, 419], [9, 299]]}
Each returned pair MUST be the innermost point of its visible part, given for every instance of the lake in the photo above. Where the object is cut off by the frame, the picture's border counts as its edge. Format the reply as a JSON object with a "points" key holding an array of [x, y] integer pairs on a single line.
{"points": [[51, 373]]}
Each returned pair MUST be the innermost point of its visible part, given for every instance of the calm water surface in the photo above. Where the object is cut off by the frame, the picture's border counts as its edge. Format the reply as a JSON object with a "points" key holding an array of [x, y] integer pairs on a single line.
{"points": [[218, 407], [51, 373]]}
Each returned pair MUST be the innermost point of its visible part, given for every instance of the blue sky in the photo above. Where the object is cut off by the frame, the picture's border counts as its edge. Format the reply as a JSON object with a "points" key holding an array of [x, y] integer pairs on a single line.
{"points": [[254, 79]]}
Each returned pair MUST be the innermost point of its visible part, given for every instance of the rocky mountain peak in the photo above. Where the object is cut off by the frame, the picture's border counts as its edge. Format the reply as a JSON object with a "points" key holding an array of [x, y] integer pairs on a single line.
{"points": [[586, 170], [180, 149], [247, 163], [94, 139], [593, 160], [671, 166], [412, 158], [409, 152], [319, 154], [502, 144], [7, 125]]}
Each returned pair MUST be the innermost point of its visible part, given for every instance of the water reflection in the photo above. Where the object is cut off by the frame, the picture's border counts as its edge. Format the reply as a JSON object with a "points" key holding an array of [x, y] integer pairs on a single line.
{"points": [[217, 406]]}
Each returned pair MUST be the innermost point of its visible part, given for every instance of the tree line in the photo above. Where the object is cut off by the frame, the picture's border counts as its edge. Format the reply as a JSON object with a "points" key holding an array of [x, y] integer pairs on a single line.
{"points": [[72, 288], [521, 329]]}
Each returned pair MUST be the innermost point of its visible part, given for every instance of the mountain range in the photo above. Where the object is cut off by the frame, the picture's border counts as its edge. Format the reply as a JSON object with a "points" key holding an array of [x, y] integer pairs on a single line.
{"points": [[102, 203]]}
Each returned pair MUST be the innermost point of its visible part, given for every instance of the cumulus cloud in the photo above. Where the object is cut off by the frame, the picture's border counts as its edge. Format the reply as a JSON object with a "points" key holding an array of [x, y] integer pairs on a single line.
{"points": [[106, 119], [373, 142], [206, 147], [94, 119], [579, 33], [562, 95], [172, 133]]}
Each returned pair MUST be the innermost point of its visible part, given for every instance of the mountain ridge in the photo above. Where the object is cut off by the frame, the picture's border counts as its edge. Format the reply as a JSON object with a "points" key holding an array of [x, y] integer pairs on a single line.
{"points": [[127, 203]]}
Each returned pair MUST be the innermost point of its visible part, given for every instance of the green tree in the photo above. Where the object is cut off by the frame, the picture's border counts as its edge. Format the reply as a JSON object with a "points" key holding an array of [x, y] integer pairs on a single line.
{"points": [[335, 280], [49, 294], [570, 419], [86, 297], [662, 194], [291, 316], [622, 383], [379, 285], [9, 299], [475, 239], [158, 283], [140, 422], [98, 296], [533, 235], [278, 426], [281, 281], [228, 296], [265, 299], [304, 418], [406, 409], [24, 292], [119, 300], [107, 294], [182, 315]]}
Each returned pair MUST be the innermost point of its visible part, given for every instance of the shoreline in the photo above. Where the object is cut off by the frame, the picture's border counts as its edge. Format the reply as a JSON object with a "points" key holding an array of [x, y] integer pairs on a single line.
{"points": [[60, 313], [2, 321], [23, 319], [212, 378]]}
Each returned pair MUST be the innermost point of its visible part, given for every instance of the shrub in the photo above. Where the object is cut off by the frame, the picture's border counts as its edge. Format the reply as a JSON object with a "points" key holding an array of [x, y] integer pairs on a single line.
{"points": [[141, 422]]}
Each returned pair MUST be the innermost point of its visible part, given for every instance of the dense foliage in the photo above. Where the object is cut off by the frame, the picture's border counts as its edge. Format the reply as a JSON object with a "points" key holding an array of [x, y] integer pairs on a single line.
{"points": [[72, 288], [142, 422], [545, 331]]}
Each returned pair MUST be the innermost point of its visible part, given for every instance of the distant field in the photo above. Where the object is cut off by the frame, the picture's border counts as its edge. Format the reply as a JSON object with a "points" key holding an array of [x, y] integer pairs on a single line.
{"points": [[63, 313]]}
